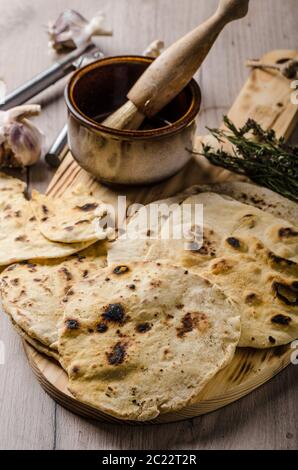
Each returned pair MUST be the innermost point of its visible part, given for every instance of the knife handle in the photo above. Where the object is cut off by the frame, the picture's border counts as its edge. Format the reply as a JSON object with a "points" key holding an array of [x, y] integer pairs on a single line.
{"points": [[44, 79]]}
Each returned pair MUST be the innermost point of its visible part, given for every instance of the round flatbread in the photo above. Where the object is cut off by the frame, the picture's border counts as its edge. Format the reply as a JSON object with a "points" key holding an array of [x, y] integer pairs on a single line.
{"points": [[257, 196], [252, 256], [10, 186], [35, 343], [127, 248], [20, 238], [144, 338], [72, 218], [32, 292], [225, 217]]}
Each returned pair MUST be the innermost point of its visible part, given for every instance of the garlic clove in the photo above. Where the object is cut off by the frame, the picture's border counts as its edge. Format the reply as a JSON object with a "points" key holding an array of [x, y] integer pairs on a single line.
{"points": [[21, 142], [72, 30], [154, 49], [19, 113], [26, 142]]}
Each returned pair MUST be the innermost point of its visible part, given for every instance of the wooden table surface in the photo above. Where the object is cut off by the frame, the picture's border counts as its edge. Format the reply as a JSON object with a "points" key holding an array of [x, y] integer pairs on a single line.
{"points": [[268, 417]]}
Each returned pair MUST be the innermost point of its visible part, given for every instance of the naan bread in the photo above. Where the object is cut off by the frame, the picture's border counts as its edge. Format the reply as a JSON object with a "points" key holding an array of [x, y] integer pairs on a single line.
{"points": [[254, 195], [226, 217], [126, 249], [264, 286], [71, 218], [144, 338], [10, 185], [32, 292], [250, 255], [20, 238], [137, 239], [35, 343]]}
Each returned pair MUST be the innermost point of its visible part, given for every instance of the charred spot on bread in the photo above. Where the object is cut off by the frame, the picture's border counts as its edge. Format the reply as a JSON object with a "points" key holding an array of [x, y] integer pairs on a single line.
{"points": [[114, 313], [117, 354], [281, 319], [155, 283], [220, 267], [187, 325], [72, 324], [101, 327], [251, 298], [88, 207], [67, 274], [44, 208], [279, 260], [287, 232], [233, 242], [192, 320], [69, 228], [249, 220], [84, 221], [143, 327], [179, 306], [272, 340], [20, 238], [121, 269], [286, 293]]}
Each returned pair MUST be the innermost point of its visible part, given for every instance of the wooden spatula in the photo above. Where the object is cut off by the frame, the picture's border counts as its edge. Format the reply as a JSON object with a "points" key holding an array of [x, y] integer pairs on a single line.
{"points": [[173, 70]]}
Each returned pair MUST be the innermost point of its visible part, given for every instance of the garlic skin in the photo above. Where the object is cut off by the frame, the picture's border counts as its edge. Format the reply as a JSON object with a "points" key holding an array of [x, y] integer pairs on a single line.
{"points": [[154, 49], [71, 30], [2, 91], [21, 142]]}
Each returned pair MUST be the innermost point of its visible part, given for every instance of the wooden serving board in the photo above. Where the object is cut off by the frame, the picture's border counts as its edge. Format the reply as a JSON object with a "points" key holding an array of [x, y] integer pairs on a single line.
{"points": [[266, 98]]}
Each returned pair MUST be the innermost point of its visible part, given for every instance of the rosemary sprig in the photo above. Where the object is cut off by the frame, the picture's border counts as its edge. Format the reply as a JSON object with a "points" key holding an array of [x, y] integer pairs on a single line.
{"points": [[258, 154]]}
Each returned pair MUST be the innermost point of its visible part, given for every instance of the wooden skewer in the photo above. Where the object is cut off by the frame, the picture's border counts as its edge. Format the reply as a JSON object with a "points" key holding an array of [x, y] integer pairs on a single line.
{"points": [[288, 68], [174, 68]]}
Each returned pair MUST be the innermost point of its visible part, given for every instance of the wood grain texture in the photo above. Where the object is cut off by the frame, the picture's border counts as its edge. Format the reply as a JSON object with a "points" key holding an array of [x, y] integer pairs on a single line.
{"points": [[27, 415], [248, 370]]}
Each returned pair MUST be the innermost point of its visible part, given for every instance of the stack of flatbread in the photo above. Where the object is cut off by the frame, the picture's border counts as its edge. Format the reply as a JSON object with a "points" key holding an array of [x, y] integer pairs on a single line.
{"points": [[248, 246], [142, 324]]}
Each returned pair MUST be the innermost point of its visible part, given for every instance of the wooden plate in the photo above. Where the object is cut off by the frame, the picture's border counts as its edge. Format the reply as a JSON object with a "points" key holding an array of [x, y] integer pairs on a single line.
{"points": [[266, 98], [248, 370]]}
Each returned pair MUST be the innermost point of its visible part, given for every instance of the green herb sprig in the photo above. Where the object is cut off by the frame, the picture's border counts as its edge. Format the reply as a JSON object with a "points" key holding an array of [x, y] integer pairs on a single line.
{"points": [[258, 154]]}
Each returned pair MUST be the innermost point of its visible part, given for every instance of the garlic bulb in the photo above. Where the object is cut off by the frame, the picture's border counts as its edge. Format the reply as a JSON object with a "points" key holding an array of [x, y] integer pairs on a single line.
{"points": [[72, 30], [21, 142]]}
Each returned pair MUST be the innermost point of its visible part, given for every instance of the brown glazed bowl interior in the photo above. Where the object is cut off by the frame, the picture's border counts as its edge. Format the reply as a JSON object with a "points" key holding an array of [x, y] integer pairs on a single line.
{"points": [[101, 88]]}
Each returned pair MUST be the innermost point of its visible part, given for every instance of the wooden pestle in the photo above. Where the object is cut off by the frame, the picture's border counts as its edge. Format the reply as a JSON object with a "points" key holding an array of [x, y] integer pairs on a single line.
{"points": [[174, 68]]}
